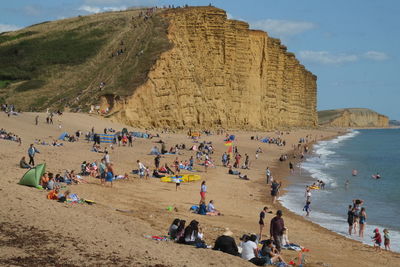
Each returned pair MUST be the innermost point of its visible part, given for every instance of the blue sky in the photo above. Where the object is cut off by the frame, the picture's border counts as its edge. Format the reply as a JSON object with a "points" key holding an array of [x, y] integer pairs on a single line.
{"points": [[351, 45]]}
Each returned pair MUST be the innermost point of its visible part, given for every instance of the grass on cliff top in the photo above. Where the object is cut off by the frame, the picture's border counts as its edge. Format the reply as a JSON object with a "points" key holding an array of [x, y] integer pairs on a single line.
{"points": [[29, 58], [61, 63], [326, 116]]}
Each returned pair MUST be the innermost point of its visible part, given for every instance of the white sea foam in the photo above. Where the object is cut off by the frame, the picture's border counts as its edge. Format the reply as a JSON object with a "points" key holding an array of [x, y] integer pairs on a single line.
{"points": [[324, 158], [332, 222]]}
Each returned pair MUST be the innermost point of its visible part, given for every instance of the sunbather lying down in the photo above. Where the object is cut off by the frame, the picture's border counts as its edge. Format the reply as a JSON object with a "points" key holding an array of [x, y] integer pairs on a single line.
{"points": [[244, 177]]}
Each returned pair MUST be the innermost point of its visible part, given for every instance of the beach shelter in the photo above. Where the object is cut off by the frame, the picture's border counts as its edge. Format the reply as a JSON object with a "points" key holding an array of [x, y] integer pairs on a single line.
{"points": [[32, 177], [62, 136]]}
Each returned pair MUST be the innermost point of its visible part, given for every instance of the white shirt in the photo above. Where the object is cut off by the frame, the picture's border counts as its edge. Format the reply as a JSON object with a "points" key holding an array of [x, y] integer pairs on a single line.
{"points": [[203, 188], [248, 250], [211, 207], [107, 158], [141, 166]]}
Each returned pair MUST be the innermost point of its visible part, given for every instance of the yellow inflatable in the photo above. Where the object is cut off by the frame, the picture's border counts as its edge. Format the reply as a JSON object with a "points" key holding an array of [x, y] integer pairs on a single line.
{"points": [[314, 187], [182, 177]]}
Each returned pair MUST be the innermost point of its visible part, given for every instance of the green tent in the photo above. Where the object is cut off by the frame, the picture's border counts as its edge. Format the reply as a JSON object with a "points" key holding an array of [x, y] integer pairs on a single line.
{"points": [[32, 177]]}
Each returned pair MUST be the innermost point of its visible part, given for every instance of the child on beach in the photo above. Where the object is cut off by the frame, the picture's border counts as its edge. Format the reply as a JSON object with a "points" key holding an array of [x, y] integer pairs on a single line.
{"points": [[378, 240], [307, 208], [386, 237]]}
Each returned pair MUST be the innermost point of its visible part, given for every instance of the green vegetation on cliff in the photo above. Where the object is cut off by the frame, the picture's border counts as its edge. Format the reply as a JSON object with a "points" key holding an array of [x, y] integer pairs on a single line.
{"points": [[62, 63]]}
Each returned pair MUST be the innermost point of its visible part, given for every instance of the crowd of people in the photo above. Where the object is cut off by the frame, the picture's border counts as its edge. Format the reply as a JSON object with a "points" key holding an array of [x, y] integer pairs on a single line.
{"points": [[4, 134], [248, 247]]}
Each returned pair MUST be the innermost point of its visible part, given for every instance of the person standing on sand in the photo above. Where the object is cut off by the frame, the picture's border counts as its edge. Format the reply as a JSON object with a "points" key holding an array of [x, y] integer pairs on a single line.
{"points": [[203, 191], [277, 227], [261, 221], [275, 190], [386, 238], [350, 218], [268, 174], [141, 169], [291, 167], [307, 208], [157, 160], [36, 119], [362, 222]]}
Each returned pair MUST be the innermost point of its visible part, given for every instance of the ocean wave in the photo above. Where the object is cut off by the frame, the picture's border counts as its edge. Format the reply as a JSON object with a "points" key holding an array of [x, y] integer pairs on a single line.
{"points": [[324, 159]]}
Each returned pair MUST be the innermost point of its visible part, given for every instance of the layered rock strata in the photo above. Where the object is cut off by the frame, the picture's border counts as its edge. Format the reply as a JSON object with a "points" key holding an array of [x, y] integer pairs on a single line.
{"points": [[352, 117], [220, 73]]}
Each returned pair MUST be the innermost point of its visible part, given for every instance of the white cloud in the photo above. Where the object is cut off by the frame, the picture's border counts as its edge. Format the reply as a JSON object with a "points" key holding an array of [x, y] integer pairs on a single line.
{"points": [[94, 9], [282, 28], [324, 57], [90, 9], [229, 15], [375, 55], [8, 28]]}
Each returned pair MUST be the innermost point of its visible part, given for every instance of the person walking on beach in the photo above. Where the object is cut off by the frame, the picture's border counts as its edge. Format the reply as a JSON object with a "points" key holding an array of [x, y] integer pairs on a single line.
{"points": [[261, 221], [291, 167], [203, 191], [377, 240], [362, 222], [307, 208], [275, 190], [31, 153], [277, 227], [37, 120]]}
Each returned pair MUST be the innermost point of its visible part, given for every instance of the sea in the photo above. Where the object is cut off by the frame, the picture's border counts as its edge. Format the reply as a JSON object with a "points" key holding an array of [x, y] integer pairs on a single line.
{"points": [[368, 151]]}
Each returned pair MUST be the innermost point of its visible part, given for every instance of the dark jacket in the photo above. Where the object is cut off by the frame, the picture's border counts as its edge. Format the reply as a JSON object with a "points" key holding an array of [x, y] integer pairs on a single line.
{"points": [[226, 244], [276, 227]]}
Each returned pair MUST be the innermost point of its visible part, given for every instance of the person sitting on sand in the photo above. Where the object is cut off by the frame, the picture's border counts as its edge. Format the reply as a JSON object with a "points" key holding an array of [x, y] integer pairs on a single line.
{"points": [[270, 253], [23, 164], [173, 229], [250, 251], [226, 243], [44, 180], [211, 210], [193, 235], [51, 185], [202, 208], [180, 232]]}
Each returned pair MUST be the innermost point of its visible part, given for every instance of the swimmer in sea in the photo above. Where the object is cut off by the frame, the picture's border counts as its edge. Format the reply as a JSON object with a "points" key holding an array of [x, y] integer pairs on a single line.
{"points": [[354, 172], [376, 176], [346, 184]]}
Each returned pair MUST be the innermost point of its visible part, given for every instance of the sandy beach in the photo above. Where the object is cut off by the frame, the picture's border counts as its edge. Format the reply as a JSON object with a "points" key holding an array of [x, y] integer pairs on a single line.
{"points": [[35, 231]]}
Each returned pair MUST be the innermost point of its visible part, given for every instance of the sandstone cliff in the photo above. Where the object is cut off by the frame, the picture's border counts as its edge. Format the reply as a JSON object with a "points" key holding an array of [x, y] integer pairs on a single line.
{"points": [[352, 117], [220, 74]]}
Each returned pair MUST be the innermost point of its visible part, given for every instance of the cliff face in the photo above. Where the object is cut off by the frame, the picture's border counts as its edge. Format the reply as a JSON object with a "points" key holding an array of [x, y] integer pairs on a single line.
{"points": [[352, 117], [220, 73]]}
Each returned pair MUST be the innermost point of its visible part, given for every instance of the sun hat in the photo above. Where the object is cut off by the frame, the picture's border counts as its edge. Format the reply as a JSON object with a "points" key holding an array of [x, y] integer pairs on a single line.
{"points": [[227, 232]]}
